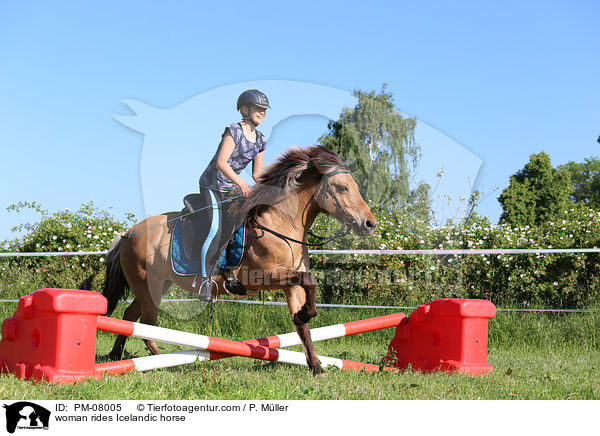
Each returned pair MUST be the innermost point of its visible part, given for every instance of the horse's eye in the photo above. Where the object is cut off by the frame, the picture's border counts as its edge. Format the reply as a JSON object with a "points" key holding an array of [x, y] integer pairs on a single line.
{"points": [[341, 188]]}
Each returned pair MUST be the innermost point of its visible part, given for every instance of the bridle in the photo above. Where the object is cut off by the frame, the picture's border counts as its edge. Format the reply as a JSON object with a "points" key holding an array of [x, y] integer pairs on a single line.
{"points": [[330, 190], [343, 231]]}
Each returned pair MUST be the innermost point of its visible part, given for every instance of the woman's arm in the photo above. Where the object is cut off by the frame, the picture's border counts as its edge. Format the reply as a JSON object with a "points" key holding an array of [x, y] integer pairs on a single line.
{"points": [[257, 166], [224, 154]]}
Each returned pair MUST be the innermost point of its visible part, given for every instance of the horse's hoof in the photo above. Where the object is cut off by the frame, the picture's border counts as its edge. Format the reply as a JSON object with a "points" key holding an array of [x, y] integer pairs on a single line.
{"points": [[234, 286], [114, 355], [317, 371]]}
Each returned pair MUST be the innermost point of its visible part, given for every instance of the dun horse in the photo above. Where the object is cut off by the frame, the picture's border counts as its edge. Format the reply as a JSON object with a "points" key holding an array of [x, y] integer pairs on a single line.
{"points": [[279, 212]]}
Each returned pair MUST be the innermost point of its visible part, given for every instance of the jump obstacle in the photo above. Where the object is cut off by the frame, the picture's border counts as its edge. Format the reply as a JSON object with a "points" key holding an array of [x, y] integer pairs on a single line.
{"points": [[52, 337]]}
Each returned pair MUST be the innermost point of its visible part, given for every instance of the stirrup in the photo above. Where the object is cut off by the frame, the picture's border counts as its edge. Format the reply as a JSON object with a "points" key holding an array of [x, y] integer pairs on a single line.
{"points": [[205, 290]]}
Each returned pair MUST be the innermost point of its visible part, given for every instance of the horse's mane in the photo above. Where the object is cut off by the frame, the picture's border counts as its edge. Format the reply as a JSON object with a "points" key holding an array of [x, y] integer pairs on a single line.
{"points": [[285, 176]]}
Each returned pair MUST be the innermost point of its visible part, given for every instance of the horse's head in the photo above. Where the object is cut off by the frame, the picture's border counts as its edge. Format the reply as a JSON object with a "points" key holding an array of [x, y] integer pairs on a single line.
{"points": [[303, 169], [338, 195]]}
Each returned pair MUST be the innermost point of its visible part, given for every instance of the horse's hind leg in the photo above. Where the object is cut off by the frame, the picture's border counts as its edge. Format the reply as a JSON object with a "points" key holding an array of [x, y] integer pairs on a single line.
{"points": [[150, 306], [150, 317], [144, 309], [132, 313]]}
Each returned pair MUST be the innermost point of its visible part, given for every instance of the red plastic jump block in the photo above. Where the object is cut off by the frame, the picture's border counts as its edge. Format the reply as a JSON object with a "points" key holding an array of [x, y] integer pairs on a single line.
{"points": [[450, 334], [52, 336]]}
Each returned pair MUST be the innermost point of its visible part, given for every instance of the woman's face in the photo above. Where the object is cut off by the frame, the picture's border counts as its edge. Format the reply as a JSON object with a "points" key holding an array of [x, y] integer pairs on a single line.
{"points": [[257, 114]]}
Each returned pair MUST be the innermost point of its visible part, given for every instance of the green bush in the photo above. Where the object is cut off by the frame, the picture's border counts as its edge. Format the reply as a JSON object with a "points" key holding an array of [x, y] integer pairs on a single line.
{"points": [[549, 280], [87, 229]]}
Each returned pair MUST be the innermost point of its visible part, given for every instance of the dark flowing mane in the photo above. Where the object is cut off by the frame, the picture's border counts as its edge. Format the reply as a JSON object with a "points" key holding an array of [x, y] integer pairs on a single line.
{"points": [[285, 176]]}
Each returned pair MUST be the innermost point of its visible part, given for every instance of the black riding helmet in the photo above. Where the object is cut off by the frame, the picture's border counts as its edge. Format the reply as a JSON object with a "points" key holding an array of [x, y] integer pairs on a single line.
{"points": [[255, 97]]}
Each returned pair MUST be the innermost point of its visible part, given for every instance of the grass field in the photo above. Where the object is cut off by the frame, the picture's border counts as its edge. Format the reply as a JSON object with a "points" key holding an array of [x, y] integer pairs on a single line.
{"points": [[535, 355]]}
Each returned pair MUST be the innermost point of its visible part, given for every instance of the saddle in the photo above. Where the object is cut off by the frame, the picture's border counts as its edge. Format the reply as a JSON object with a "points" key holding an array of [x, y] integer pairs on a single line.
{"points": [[193, 231], [189, 234]]}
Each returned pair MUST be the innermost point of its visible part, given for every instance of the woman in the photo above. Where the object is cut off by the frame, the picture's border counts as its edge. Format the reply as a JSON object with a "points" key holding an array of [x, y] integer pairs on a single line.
{"points": [[241, 143]]}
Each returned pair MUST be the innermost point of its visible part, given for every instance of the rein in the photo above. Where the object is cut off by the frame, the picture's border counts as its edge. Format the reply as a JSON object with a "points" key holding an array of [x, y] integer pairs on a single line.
{"points": [[343, 231]]}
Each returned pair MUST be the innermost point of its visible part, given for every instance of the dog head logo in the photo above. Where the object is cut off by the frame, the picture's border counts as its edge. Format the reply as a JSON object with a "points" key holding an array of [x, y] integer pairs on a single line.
{"points": [[179, 142], [26, 415]]}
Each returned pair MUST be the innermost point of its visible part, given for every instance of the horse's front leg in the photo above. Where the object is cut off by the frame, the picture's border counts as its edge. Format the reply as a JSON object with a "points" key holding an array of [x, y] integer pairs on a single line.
{"points": [[311, 356], [308, 310], [302, 306]]}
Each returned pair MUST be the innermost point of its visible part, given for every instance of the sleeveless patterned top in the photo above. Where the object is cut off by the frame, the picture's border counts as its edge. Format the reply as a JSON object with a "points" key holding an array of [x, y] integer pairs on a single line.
{"points": [[243, 153]]}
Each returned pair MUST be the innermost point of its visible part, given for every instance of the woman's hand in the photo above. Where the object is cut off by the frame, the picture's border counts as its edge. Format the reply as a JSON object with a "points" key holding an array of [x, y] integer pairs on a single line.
{"points": [[246, 189]]}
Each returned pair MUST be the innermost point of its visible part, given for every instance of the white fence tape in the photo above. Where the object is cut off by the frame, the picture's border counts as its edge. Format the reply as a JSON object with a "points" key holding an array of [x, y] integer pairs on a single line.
{"points": [[367, 252], [348, 306], [461, 252], [54, 253]]}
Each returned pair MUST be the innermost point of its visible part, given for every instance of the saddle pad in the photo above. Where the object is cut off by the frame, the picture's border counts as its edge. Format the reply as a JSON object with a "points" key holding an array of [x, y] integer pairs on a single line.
{"points": [[231, 258], [179, 261]]}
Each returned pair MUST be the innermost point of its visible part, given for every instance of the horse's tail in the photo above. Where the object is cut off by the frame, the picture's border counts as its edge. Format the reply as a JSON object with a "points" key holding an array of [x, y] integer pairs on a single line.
{"points": [[86, 285], [115, 285]]}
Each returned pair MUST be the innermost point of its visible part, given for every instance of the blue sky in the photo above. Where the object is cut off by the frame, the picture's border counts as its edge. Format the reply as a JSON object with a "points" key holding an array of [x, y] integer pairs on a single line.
{"points": [[497, 80]]}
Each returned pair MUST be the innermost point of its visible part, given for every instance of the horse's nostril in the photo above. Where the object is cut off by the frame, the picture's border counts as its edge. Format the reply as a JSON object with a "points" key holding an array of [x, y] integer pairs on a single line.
{"points": [[369, 224]]}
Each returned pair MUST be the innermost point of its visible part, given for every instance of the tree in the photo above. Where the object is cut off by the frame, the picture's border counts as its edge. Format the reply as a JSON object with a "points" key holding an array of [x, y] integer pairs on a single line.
{"points": [[419, 202], [585, 178], [378, 144], [536, 193]]}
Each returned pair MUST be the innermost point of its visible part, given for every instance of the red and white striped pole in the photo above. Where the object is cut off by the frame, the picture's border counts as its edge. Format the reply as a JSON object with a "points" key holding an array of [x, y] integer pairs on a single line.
{"points": [[210, 348]]}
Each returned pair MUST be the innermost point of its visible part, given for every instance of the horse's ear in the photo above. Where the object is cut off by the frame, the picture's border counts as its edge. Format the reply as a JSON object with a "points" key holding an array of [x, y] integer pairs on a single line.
{"points": [[144, 114]]}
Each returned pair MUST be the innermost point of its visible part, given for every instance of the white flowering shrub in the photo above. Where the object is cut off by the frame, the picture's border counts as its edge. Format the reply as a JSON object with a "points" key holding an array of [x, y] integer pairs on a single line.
{"points": [[87, 229], [549, 280]]}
